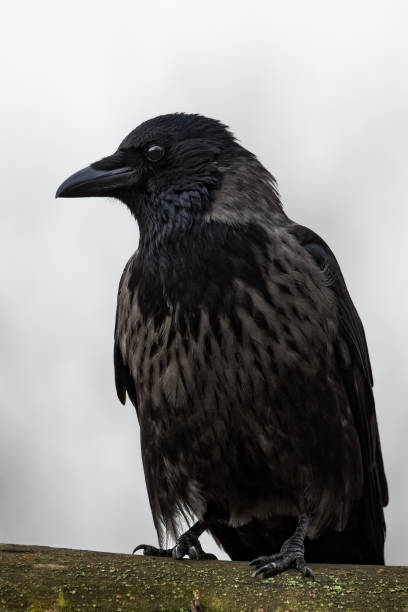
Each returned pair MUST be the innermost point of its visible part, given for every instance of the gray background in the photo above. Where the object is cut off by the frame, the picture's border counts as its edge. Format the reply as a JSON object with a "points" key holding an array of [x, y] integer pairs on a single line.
{"points": [[317, 89]]}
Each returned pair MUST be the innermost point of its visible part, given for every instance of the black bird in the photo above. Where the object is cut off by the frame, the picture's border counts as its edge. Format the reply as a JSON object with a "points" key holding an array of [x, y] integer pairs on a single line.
{"points": [[238, 344]]}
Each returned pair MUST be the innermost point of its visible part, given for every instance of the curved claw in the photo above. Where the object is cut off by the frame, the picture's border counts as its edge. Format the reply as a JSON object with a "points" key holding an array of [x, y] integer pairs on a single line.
{"points": [[152, 551], [267, 570], [177, 552], [263, 559], [193, 552], [301, 566], [308, 572], [140, 547]]}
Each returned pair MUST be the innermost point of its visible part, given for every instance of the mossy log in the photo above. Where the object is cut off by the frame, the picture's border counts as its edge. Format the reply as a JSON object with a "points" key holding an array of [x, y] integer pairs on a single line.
{"points": [[39, 578]]}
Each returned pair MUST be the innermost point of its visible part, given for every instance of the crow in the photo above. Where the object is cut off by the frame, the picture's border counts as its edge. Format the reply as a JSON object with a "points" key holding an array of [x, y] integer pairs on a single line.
{"points": [[238, 344]]}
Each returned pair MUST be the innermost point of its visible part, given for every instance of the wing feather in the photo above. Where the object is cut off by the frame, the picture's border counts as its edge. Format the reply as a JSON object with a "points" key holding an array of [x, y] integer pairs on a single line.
{"points": [[355, 365], [123, 379]]}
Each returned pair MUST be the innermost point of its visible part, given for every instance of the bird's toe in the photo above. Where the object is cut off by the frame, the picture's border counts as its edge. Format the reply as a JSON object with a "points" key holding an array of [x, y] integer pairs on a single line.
{"points": [[152, 551], [278, 563], [259, 561], [300, 565], [189, 545]]}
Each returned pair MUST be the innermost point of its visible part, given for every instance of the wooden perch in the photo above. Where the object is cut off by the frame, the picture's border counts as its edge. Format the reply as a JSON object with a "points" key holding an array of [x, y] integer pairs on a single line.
{"points": [[39, 579]]}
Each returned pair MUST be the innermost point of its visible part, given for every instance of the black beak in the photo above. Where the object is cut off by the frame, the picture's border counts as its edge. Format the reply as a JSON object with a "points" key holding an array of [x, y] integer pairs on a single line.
{"points": [[93, 182]]}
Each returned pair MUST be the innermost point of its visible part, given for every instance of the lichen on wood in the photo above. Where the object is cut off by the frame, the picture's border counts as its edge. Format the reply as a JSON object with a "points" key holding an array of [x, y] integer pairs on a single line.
{"points": [[42, 579]]}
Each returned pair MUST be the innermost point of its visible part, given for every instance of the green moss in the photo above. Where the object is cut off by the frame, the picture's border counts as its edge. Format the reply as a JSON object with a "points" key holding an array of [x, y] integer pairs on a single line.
{"points": [[61, 603], [40, 579]]}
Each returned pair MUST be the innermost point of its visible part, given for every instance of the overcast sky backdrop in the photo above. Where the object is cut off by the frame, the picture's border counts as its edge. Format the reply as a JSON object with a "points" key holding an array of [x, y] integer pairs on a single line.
{"points": [[318, 90]]}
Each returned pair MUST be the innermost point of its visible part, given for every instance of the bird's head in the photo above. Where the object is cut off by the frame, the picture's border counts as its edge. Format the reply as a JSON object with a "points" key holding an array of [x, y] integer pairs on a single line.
{"points": [[171, 170]]}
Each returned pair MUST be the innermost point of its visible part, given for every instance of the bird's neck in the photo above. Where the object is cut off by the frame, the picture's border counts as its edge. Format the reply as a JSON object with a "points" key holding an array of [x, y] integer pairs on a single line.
{"points": [[247, 194], [172, 216], [243, 192]]}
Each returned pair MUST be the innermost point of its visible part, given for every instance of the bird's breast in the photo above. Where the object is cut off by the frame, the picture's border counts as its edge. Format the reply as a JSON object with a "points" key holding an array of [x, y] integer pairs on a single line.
{"points": [[233, 378], [221, 339]]}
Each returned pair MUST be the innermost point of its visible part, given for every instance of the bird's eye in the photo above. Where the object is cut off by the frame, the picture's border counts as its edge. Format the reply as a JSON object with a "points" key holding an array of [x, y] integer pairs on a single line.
{"points": [[154, 152]]}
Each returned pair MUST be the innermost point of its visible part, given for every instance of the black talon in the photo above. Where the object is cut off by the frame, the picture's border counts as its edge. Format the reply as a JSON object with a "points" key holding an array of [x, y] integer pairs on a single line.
{"points": [[193, 552], [152, 551], [140, 547], [303, 568], [291, 555], [258, 560], [187, 544]]}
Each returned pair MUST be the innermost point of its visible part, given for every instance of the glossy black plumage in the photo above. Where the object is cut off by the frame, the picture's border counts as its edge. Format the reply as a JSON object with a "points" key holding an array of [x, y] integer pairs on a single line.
{"points": [[240, 347]]}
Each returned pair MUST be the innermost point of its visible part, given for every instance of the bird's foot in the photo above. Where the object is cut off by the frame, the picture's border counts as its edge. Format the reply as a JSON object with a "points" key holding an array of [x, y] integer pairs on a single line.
{"points": [[187, 544], [291, 555], [276, 564]]}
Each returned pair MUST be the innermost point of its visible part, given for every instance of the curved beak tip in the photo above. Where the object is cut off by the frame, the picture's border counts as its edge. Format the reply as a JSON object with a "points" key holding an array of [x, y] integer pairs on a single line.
{"points": [[94, 182], [58, 192]]}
